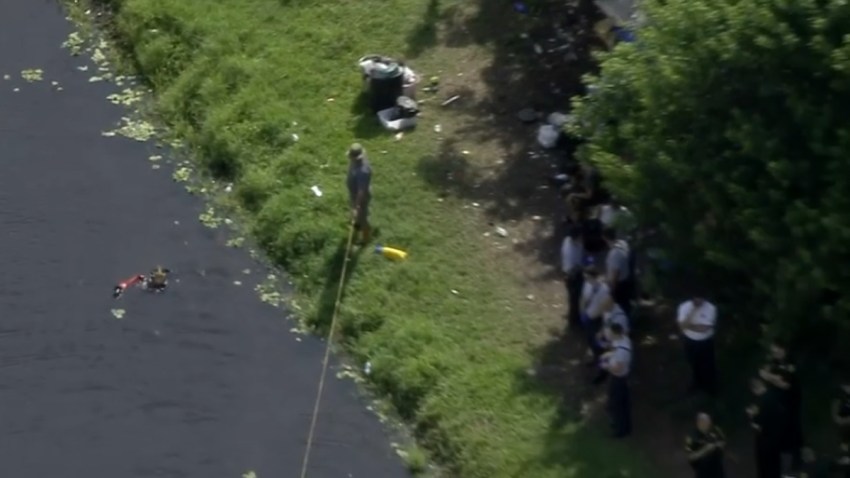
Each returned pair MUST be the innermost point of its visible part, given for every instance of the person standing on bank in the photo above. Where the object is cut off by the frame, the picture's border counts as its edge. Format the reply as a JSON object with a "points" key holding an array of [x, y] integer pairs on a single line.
{"points": [[841, 412], [618, 270], [359, 182], [781, 376], [594, 293], [572, 260], [705, 448], [697, 318], [767, 422], [617, 362]]}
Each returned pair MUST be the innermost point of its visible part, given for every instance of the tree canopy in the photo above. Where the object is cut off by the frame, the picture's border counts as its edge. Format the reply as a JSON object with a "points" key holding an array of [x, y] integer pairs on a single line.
{"points": [[727, 125]]}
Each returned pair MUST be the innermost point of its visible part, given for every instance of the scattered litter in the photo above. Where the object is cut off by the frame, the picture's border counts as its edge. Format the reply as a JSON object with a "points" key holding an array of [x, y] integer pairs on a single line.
{"points": [[228, 188], [295, 137], [249, 474], [367, 369], [118, 313], [246, 271], [455, 292], [330, 100], [83, 68], [108, 134], [399, 136], [59, 88], [438, 128], [316, 191], [401, 116], [154, 166], [54, 83], [7, 77], [236, 282], [530, 297], [16, 90], [451, 100], [502, 231], [464, 152], [154, 158], [32, 74], [95, 79], [475, 204]]}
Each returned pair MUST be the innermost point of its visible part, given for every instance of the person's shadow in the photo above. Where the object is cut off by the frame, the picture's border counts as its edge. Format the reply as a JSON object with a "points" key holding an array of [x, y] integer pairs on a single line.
{"points": [[335, 283]]}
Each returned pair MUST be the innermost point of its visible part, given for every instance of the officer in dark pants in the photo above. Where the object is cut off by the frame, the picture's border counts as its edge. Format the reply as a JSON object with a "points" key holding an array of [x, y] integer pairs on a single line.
{"points": [[841, 412], [767, 421], [617, 362], [781, 377], [572, 262], [705, 449], [697, 319]]}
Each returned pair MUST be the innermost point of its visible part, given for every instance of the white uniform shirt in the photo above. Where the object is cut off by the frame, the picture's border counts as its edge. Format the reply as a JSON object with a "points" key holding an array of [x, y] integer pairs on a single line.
{"points": [[592, 294], [705, 315], [571, 255], [622, 353], [616, 316]]}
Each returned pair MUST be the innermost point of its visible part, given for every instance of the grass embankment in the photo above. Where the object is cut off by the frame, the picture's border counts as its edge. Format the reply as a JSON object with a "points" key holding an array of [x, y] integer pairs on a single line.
{"points": [[446, 334]]}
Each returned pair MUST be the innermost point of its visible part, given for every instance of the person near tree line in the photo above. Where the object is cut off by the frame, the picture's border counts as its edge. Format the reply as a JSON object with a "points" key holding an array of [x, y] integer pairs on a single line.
{"points": [[618, 270], [617, 362], [767, 419], [780, 374], [359, 183], [572, 261], [704, 447], [697, 319], [841, 411], [611, 314], [594, 293]]}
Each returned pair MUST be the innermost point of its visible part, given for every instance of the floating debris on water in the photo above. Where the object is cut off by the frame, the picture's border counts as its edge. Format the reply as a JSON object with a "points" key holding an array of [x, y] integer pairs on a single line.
{"points": [[154, 158], [249, 474], [126, 97], [139, 130], [32, 74], [108, 134], [236, 282], [154, 166], [181, 175], [83, 68], [118, 313], [7, 77], [95, 79], [209, 219], [236, 242], [74, 44]]}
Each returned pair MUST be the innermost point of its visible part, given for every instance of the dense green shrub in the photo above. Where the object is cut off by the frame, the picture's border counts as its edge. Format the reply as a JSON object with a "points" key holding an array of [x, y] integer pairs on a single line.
{"points": [[726, 125]]}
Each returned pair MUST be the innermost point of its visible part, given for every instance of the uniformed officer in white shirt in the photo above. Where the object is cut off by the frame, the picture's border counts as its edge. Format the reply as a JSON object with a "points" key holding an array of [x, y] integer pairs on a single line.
{"points": [[611, 314], [594, 294], [572, 261], [697, 319], [617, 362]]}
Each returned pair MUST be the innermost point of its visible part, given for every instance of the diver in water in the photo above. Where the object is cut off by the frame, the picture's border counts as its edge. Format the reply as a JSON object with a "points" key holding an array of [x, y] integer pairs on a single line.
{"points": [[157, 281], [119, 289]]}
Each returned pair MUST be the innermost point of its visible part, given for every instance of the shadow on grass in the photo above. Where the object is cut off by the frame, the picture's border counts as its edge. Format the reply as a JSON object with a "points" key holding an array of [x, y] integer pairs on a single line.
{"points": [[333, 276], [425, 35], [366, 125]]}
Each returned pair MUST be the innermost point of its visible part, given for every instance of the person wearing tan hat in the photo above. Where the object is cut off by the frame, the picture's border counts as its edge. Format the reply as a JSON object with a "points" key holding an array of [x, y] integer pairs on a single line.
{"points": [[359, 182]]}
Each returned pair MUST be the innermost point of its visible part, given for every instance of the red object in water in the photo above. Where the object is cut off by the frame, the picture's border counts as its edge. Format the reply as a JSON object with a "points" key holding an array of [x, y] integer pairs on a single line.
{"points": [[123, 285]]}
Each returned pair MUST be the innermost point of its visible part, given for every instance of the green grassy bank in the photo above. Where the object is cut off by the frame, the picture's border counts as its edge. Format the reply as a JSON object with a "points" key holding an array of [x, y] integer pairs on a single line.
{"points": [[445, 333]]}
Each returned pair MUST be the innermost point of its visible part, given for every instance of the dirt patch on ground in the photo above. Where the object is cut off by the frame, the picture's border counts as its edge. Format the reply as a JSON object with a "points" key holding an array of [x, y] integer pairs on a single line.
{"points": [[499, 61]]}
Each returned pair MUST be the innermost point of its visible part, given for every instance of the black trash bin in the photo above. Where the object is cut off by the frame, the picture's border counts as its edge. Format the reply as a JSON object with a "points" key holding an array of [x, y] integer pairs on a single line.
{"points": [[385, 88]]}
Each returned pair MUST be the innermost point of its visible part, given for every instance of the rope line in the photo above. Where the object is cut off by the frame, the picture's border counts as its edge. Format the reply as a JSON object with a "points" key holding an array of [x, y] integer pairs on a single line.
{"points": [[315, 417]]}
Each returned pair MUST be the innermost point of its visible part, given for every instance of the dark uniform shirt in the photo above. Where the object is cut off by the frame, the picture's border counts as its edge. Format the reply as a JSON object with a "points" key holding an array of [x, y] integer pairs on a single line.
{"points": [[711, 464]]}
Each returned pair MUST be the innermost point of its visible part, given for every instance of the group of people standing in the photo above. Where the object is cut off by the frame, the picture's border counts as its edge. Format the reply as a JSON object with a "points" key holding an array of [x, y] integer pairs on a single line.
{"points": [[599, 274]]}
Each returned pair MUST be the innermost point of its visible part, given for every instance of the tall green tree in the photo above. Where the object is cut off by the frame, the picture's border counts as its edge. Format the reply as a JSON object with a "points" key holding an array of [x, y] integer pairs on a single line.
{"points": [[728, 124]]}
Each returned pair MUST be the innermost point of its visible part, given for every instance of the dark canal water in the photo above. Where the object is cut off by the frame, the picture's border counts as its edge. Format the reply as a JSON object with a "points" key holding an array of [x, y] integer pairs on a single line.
{"points": [[204, 381]]}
